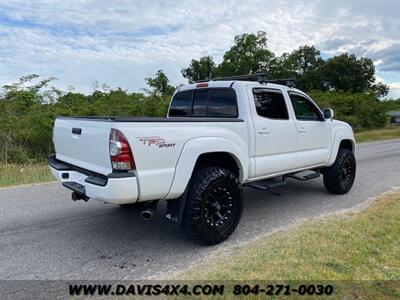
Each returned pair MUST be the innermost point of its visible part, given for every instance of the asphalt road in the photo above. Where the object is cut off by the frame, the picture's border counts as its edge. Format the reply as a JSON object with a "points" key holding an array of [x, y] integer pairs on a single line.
{"points": [[45, 235]]}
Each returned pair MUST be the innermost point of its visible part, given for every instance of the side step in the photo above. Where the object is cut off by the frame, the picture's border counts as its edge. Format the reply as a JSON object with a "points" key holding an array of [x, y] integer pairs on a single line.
{"points": [[273, 183], [314, 175], [269, 184]]}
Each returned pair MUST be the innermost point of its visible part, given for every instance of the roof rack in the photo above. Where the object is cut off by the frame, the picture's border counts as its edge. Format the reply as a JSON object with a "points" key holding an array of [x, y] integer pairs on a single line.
{"points": [[258, 77]]}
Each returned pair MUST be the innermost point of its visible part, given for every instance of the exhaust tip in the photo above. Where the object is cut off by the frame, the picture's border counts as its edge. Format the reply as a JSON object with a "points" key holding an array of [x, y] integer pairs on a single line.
{"points": [[146, 214]]}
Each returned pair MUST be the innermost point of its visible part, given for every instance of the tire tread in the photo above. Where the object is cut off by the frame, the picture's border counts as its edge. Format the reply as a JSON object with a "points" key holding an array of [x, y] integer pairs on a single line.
{"points": [[193, 224]]}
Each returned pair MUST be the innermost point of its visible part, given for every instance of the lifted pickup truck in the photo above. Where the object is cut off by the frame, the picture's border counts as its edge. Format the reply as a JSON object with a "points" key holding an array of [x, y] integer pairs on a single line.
{"points": [[218, 136]]}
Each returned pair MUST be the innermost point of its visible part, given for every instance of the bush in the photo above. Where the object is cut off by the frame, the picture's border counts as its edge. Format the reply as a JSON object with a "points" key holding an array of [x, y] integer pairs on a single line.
{"points": [[27, 117], [362, 110]]}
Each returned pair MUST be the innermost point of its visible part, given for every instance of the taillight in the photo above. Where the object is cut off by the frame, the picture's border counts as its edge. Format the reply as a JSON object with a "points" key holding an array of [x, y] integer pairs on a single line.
{"points": [[120, 152]]}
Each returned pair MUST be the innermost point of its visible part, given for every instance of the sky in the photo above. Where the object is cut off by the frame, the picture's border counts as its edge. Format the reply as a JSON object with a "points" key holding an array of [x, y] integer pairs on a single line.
{"points": [[119, 43]]}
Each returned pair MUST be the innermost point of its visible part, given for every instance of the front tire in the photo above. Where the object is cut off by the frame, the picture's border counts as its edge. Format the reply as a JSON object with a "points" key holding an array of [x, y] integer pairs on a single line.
{"points": [[214, 205], [339, 178]]}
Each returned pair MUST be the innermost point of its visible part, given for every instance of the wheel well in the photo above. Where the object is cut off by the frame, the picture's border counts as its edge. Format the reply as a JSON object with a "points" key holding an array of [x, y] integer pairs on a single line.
{"points": [[218, 159], [346, 144]]}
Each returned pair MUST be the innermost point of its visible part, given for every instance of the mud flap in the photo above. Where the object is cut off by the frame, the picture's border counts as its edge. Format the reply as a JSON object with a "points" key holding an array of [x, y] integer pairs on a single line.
{"points": [[176, 207]]}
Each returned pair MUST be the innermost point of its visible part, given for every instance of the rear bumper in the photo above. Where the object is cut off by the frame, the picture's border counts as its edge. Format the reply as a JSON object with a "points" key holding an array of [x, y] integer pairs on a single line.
{"points": [[117, 188]]}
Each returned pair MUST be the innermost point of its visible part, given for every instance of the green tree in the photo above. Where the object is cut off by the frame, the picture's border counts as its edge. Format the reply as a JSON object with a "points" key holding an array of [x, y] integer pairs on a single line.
{"points": [[304, 64], [304, 59], [346, 72], [248, 55], [23, 118], [362, 110], [203, 68], [160, 85]]}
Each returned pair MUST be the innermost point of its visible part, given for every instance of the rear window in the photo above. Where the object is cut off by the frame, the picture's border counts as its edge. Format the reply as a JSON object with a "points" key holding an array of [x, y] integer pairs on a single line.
{"points": [[200, 100], [222, 103], [181, 105], [205, 103]]}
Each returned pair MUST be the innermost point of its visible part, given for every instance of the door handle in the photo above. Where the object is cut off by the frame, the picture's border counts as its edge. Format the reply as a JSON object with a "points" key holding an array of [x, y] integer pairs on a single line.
{"points": [[263, 131], [301, 130]]}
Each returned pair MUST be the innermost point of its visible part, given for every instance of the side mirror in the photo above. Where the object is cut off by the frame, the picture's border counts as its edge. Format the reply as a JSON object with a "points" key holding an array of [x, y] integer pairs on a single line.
{"points": [[328, 113]]}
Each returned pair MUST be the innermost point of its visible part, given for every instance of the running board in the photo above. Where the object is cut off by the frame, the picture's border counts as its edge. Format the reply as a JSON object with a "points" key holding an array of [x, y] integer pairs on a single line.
{"points": [[268, 185], [306, 177]]}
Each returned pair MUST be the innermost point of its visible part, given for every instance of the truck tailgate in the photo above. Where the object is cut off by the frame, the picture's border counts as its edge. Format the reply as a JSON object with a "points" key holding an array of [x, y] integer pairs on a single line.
{"points": [[83, 143]]}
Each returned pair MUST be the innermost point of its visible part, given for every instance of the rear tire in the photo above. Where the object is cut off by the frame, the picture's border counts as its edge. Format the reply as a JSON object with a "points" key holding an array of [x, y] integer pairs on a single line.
{"points": [[214, 205], [339, 178]]}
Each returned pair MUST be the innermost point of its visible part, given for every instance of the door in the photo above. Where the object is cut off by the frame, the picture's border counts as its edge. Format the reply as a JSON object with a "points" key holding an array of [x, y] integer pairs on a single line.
{"points": [[313, 132], [275, 133]]}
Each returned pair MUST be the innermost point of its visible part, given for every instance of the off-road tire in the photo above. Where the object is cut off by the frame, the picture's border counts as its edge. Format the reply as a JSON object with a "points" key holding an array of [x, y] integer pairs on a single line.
{"points": [[211, 185], [339, 178]]}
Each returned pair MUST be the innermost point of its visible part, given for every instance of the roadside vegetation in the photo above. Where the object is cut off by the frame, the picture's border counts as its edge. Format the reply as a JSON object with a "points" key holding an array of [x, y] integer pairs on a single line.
{"points": [[11, 174], [356, 246], [391, 132]]}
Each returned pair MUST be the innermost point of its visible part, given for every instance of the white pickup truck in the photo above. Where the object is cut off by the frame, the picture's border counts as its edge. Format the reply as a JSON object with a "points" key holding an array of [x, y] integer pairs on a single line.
{"points": [[219, 136]]}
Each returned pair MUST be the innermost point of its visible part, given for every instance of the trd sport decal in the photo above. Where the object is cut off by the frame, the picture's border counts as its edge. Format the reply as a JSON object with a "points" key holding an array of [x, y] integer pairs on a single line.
{"points": [[155, 141]]}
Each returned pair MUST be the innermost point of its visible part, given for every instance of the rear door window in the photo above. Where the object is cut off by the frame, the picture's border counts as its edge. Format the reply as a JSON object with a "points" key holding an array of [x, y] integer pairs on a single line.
{"points": [[270, 104]]}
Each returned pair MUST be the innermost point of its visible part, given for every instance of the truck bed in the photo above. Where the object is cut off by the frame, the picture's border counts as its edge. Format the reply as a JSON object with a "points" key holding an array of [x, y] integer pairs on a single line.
{"points": [[156, 143]]}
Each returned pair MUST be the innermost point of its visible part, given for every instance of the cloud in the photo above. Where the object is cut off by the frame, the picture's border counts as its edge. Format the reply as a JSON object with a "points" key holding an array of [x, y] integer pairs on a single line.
{"points": [[385, 53], [394, 90], [389, 57], [122, 42]]}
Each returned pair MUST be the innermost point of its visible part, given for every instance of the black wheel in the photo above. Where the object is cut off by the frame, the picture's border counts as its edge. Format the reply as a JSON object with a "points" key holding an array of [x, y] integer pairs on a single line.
{"points": [[214, 205], [339, 178]]}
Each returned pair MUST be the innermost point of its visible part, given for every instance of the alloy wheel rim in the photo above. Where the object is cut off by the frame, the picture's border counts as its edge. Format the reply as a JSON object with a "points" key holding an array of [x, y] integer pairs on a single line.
{"points": [[219, 206], [347, 171]]}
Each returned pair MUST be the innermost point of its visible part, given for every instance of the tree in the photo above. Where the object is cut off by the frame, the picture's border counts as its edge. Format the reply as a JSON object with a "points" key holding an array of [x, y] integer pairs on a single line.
{"points": [[348, 73], [160, 85], [203, 68], [304, 59], [303, 64], [380, 89], [248, 55]]}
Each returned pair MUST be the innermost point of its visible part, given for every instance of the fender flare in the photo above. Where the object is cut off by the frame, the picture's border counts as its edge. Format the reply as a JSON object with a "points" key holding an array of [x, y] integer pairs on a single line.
{"points": [[339, 137], [198, 146]]}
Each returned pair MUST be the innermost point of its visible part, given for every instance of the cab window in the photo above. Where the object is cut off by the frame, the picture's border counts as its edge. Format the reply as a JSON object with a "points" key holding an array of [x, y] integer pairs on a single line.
{"points": [[304, 109], [270, 104], [222, 103], [181, 105]]}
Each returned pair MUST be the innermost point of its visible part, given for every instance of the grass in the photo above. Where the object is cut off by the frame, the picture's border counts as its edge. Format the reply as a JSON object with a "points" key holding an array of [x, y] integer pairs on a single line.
{"points": [[362, 246], [24, 174], [392, 132]]}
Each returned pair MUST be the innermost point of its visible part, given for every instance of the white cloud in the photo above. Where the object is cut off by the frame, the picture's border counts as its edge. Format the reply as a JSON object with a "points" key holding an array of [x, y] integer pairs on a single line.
{"points": [[122, 42], [394, 90]]}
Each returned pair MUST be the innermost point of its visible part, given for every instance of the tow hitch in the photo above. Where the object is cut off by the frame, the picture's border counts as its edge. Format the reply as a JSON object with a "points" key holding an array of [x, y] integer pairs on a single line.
{"points": [[77, 196]]}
